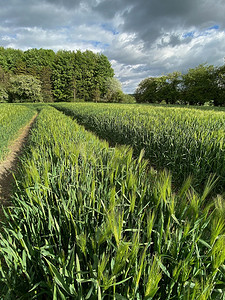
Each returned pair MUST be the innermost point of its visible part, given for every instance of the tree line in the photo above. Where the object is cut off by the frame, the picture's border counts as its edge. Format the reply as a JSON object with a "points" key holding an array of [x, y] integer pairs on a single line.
{"points": [[41, 75], [204, 84]]}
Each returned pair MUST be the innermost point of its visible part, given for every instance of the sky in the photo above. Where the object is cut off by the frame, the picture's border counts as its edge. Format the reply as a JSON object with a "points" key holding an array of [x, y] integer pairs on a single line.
{"points": [[141, 38]]}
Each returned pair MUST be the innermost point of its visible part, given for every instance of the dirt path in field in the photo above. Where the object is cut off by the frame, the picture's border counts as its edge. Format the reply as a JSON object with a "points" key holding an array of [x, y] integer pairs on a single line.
{"points": [[9, 165]]}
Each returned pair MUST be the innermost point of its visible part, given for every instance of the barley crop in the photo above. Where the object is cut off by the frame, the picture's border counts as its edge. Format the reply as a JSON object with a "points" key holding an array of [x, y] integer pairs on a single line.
{"points": [[186, 141], [91, 222]]}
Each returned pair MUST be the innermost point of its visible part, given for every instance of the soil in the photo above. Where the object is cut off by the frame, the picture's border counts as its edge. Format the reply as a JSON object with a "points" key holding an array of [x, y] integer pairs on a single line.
{"points": [[9, 165]]}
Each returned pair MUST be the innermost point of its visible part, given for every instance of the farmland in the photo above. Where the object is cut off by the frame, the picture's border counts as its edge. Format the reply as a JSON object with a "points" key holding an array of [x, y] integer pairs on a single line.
{"points": [[186, 141], [93, 221], [12, 118]]}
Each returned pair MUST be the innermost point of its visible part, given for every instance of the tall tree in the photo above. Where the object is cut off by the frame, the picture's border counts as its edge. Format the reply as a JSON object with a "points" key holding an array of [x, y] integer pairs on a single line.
{"points": [[3, 94], [103, 71], [173, 87], [4, 77], [199, 85], [46, 85], [219, 93], [21, 68], [63, 76], [4, 83], [9, 58], [36, 59], [147, 90]]}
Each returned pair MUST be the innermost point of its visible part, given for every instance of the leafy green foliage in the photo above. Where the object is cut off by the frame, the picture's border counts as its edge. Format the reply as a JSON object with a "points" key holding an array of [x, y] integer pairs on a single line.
{"points": [[9, 59], [197, 87], [25, 88], [114, 87], [46, 84], [4, 83], [3, 94], [147, 91], [115, 94], [64, 76]]}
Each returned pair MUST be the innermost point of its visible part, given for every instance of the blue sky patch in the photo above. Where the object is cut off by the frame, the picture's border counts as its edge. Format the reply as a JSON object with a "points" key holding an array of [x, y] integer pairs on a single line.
{"points": [[108, 27], [214, 27], [188, 34], [202, 33], [98, 44]]}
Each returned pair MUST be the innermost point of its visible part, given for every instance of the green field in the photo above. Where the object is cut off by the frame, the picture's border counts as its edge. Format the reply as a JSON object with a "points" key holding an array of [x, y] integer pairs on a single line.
{"points": [[12, 118], [186, 141], [91, 220]]}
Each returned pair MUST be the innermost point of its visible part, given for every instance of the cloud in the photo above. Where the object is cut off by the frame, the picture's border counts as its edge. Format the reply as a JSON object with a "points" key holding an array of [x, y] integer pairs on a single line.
{"points": [[141, 38]]}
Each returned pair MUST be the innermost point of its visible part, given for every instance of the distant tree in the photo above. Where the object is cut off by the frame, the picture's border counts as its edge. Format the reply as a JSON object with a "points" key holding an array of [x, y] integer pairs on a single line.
{"points": [[91, 72], [65, 75], [4, 77], [162, 89], [147, 91], [199, 85], [3, 59], [97, 94], [25, 88], [63, 78], [203, 84], [46, 85], [4, 83], [3, 94], [173, 87], [102, 72], [87, 66], [20, 67], [114, 91], [219, 93], [37, 59], [9, 59]]}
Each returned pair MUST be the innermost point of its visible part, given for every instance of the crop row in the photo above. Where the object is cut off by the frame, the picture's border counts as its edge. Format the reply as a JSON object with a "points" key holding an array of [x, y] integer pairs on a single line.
{"points": [[185, 141], [90, 222], [12, 118]]}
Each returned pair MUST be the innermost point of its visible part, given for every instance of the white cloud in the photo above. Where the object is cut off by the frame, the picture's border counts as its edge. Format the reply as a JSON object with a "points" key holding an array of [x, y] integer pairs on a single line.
{"points": [[141, 38]]}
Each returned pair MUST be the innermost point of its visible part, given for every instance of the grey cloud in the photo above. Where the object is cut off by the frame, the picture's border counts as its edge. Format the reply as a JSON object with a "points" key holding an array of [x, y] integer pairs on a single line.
{"points": [[173, 40], [65, 3], [47, 14], [35, 14], [144, 37], [109, 9], [150, 19]]}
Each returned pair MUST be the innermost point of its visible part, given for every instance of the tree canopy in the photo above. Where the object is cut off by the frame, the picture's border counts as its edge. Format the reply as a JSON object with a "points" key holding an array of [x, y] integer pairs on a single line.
{"points": [[200, 85], [62, 76]]}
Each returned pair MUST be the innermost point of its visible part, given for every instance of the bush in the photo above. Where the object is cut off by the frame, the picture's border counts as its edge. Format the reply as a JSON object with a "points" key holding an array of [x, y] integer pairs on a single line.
{"points": [[25, 88], [128, 99]]}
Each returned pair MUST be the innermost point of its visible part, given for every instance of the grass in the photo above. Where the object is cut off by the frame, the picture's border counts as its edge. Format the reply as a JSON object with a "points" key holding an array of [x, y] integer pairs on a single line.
{"points": [[90, 222]]}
